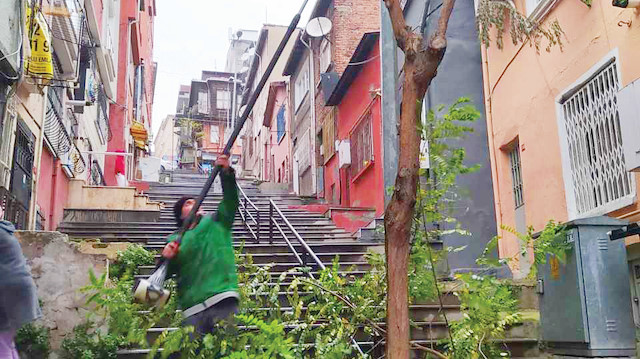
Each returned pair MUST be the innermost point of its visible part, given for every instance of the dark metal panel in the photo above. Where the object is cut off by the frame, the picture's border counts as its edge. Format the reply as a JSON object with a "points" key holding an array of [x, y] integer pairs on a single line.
{"points": [[563, 316]]}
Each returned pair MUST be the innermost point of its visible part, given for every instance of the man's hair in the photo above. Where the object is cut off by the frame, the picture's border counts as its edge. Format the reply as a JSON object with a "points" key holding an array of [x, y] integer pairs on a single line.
{"points": [[177, 209]]}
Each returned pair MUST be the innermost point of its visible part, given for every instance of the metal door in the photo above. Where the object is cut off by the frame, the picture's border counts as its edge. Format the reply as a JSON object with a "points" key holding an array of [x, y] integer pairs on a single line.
{"points": [[21, 173]]}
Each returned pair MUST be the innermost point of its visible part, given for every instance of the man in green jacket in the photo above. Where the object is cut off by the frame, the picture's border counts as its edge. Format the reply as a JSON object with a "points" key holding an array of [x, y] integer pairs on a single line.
{"points": [[204, 261]]}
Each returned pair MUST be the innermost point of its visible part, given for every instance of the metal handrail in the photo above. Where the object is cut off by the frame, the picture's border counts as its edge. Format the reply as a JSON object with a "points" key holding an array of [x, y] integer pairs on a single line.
{"points": [[305, 246], [308, 251], [245, 214]]}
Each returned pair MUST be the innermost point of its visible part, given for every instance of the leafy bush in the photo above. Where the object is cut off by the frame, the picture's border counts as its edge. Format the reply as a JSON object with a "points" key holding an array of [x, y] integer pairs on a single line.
{"points": [[489, 307], [33, 341], [128, 261], [87, 343]]}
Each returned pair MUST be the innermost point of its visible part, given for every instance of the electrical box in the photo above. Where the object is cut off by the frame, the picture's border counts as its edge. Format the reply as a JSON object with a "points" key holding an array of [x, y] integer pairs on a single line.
{"points": [[629, 110], [585, 303], [344, 153]]}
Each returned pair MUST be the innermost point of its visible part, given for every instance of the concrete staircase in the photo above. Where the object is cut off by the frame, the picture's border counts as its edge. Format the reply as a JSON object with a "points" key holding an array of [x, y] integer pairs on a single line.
{"points": [[325, 239]]}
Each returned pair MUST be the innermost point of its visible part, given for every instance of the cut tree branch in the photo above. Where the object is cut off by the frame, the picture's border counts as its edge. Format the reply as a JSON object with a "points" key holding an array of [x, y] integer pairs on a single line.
{"points": [[400, 28]]}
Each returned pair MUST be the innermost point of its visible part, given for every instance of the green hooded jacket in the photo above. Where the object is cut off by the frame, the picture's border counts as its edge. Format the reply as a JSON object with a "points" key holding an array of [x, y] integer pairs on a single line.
{"points": [[205, 264]]}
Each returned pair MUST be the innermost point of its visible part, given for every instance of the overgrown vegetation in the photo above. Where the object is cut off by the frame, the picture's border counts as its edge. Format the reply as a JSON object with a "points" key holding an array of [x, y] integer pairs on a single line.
{"points": [[32, 340], [87, 342], [128, 261], [503, 15]]}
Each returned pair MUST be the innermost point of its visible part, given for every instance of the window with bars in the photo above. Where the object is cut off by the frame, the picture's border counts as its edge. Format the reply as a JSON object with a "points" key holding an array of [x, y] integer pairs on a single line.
{"points": [[516, 175], [329, 135], [361, 145], [594, 142]]}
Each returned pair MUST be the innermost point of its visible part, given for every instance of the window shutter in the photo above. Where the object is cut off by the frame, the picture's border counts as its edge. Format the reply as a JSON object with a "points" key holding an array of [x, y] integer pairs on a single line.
{"points": [[329, 136]]}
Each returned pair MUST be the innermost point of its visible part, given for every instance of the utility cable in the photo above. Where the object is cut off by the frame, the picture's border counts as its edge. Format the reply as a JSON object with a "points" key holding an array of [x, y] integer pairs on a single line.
{"points": [[435, 277]]}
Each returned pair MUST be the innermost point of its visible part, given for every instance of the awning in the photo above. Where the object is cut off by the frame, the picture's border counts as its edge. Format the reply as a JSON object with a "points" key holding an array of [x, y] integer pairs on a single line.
{"points": [[139, 134]]}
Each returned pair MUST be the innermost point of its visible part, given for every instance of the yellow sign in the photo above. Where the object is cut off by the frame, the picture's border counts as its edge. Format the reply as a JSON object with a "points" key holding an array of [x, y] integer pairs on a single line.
{"points": [[39, 63], [139, 134]]}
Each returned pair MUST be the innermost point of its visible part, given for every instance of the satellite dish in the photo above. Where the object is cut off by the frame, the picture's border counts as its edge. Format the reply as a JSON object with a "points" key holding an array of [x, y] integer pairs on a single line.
{"points": [[318, 27]]}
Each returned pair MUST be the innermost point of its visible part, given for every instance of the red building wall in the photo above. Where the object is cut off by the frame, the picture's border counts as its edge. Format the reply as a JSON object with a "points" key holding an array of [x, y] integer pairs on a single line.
{"points": [[53, 190], [365, 189]]}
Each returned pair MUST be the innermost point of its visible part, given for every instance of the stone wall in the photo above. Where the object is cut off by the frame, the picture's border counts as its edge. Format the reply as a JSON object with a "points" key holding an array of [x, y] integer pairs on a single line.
{"points": [[60, 268], [111, 198]]}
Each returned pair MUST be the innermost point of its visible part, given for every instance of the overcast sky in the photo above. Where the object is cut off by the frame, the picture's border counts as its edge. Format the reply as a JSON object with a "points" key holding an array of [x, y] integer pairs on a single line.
{"points": [[193, 35]]}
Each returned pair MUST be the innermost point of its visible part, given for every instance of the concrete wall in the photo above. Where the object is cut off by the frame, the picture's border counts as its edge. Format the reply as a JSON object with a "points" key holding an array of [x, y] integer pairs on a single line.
{"points": [[460, 74], [97, 197], [60, 268]]}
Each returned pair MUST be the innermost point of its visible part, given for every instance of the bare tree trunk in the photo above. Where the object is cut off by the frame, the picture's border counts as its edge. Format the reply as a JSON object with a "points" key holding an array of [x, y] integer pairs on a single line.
{"points": [[420, 67]]}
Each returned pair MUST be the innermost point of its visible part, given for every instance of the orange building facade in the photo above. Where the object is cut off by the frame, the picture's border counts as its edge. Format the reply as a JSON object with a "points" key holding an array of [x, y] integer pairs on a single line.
{"points": [[554, 125]]}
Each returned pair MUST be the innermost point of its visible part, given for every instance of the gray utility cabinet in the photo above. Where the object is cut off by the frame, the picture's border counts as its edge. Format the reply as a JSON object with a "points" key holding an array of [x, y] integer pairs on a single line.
{"points": [[585, 303]]}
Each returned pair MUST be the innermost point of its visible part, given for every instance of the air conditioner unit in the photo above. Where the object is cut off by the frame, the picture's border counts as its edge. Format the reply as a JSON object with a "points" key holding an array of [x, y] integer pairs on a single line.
{"points": [[344, 153]]}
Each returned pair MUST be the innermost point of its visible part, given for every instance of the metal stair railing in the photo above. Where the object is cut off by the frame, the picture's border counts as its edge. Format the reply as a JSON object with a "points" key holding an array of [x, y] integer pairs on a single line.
{"points": [[308, 252], [246, 205]]}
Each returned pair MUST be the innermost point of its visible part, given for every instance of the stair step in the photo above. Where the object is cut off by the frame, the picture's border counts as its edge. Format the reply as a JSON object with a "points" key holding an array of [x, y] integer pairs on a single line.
{"points": [[266, 258], [275, 273], [281, 247], [278, 267]]}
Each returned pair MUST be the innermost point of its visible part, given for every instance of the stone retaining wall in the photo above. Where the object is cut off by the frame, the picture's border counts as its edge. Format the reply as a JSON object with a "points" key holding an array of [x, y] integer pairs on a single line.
{"points": [[60, 268]]}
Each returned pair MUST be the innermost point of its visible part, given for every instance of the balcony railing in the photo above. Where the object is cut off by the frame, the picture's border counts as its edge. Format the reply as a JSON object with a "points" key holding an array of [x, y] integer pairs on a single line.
{"points": [[54, 129], [97, 179]]}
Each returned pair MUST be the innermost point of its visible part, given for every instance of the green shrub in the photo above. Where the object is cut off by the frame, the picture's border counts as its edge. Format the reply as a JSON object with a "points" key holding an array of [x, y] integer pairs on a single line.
{"points": [[33, 341], [129, 260], [88, 344]]}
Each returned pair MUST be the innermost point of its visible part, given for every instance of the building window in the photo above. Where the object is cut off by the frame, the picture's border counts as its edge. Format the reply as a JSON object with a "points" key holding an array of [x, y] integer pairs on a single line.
{"points": [[281, 123], [203, 103], [214, 135], [301, 86], [325, 55], [361, 145], [516, 175], [329, 135], [223, 100], [596, 162]]}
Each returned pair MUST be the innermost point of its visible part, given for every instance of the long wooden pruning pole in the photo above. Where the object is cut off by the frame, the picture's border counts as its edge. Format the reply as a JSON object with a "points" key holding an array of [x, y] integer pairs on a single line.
{"points": [[243, 118]]}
